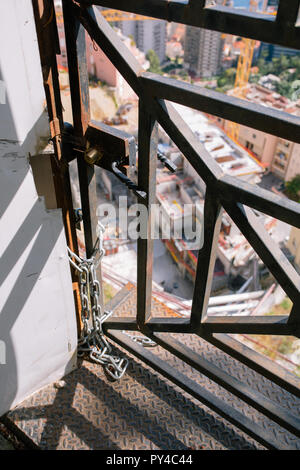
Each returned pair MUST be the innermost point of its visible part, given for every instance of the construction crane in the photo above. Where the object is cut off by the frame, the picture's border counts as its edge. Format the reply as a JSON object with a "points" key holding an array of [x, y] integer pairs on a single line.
{"points": [[242, 73], [244, 69]]}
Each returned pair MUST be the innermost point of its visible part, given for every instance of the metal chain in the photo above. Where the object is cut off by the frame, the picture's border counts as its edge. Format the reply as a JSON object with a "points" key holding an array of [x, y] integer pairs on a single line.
{"points": [[92, 340], [143, 340]]}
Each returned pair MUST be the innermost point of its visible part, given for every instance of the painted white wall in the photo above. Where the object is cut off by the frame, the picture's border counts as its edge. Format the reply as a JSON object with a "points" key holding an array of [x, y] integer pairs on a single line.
{"points": [[38, 334]]}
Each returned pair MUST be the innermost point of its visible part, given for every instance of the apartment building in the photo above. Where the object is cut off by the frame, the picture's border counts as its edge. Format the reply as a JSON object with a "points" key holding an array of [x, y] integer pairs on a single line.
{"points": [[274, 153], [147, 34], [286, 161], [203, 52]]}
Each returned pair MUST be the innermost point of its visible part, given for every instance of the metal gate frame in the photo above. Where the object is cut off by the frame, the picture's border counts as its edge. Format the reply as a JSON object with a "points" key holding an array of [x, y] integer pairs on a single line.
{"points": [[238, 198]]}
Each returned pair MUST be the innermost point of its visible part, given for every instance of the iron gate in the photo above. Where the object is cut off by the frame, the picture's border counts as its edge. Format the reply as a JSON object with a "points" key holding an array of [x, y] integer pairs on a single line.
{"points": [[239, 199]]}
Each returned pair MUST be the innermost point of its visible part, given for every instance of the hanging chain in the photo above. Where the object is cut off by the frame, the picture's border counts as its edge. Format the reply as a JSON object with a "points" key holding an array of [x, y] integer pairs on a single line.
{"points": [[92, 340]]}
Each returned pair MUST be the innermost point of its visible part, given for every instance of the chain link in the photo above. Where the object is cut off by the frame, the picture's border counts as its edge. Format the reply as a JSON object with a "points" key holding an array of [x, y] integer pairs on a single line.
{"points": [[92, 340], [143, 340]]}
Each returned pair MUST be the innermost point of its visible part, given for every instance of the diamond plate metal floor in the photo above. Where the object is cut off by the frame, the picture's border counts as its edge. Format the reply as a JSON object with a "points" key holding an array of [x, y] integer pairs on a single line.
{"points": [[144, 410]]}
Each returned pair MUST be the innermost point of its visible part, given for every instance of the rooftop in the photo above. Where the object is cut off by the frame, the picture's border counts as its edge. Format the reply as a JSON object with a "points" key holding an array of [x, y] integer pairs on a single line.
{"points": [[231, 157]]}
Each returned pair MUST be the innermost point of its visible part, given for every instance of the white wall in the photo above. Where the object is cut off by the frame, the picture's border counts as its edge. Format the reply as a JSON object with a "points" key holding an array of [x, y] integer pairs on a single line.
{"points": [[37, 315]]}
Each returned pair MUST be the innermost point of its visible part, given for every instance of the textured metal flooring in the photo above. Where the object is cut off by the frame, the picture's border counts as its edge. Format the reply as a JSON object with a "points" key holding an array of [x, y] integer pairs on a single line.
{"points": [[144, 410]]}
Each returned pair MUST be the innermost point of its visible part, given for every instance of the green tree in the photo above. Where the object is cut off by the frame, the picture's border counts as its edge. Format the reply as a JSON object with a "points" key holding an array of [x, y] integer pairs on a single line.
{"points": [[230, 74], [293, 188], [222, 82], [154, 62], [283, 88], [284, 62]]}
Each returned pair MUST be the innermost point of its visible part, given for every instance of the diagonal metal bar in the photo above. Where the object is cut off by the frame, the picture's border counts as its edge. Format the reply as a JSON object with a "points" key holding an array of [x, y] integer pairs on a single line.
{"points": [[185, 139], [110, 43]]}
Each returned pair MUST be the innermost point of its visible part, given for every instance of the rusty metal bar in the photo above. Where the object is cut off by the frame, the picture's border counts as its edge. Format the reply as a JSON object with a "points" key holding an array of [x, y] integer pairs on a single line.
{"points": [[49, 47], [79, 87], [48, 43]]}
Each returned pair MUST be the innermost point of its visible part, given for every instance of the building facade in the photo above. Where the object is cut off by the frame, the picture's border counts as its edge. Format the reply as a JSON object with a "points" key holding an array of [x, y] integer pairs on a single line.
{"points": [[286, 161], [147, 34], [279, 155], [203, 52]]}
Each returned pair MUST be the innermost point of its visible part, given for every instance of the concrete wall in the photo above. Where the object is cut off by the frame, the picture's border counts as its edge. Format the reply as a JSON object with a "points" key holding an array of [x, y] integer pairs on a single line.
{"points": [[38, 334], [264, 144]]}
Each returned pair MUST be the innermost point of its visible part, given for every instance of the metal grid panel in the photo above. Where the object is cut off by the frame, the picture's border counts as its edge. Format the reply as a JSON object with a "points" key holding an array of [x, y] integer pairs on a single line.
{"points": [[210, 172], [239, 199]]}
